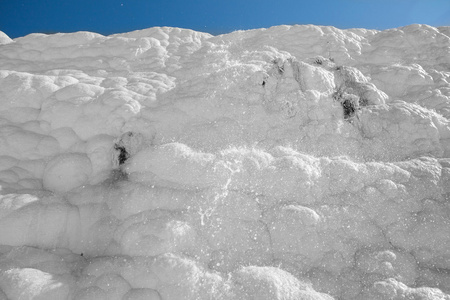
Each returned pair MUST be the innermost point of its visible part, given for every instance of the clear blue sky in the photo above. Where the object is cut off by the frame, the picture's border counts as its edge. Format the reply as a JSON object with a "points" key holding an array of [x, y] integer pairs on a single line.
{"points": [[21, 17]]}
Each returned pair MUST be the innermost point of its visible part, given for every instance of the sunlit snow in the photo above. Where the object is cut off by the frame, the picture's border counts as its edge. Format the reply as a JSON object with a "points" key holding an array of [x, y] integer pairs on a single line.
{"points": [[295, 162]]}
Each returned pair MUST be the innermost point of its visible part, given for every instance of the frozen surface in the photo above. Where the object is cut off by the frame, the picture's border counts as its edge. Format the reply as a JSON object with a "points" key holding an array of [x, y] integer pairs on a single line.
{"points": [[295, 162]]}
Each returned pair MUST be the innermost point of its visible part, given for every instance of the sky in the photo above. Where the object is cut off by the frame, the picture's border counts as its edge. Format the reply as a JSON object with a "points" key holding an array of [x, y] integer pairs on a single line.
{"points": [[21, 17]]}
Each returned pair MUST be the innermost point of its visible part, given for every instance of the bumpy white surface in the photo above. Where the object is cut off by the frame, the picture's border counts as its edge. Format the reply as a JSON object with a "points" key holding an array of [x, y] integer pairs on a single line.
{"points": [[242, 179]]}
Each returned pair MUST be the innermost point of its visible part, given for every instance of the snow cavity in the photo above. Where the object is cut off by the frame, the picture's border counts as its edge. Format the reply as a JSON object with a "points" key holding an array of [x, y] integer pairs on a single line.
{"points": [[295, 162]]}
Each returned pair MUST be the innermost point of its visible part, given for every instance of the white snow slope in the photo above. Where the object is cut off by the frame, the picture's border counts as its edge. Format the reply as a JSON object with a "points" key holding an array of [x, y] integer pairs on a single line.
{"points": [[295, 162]]}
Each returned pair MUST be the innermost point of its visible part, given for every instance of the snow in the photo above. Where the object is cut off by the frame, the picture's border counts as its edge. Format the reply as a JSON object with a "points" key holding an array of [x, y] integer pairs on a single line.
{"points": [[294, 162], [66, 172]]}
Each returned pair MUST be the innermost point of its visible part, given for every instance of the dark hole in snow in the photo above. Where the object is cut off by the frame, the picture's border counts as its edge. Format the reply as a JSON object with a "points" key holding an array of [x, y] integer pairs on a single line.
{"points": [[123, 155], [264, 83], [349, 108]]}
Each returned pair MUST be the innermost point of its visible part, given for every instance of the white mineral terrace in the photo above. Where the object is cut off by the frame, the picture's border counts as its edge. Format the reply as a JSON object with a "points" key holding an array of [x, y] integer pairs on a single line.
{"points": [[289, 163]]}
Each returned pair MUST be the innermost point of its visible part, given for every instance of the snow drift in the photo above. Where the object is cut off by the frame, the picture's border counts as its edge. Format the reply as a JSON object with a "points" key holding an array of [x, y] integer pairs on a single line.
{"points": [[295, 162]]}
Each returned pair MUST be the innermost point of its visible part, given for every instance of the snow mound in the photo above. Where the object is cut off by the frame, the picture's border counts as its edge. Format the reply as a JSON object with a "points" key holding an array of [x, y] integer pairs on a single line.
{"points": [[294, 162], [4, 39], [66, 172]]}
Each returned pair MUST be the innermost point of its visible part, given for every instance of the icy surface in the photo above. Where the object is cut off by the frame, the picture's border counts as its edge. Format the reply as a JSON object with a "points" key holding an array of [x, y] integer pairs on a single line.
{"points": [[295, 162]]}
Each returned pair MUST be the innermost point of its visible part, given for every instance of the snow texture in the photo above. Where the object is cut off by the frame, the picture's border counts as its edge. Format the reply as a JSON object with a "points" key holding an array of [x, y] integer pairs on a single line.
{"points": [[295, 162]]}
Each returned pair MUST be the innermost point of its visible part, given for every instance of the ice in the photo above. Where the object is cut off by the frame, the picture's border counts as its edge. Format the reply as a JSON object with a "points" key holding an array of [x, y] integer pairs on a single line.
{"points": [[293, 162]]}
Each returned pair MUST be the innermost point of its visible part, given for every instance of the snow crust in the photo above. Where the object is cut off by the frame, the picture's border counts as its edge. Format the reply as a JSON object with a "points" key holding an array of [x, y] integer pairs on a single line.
{"points": [[295, 162]]}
